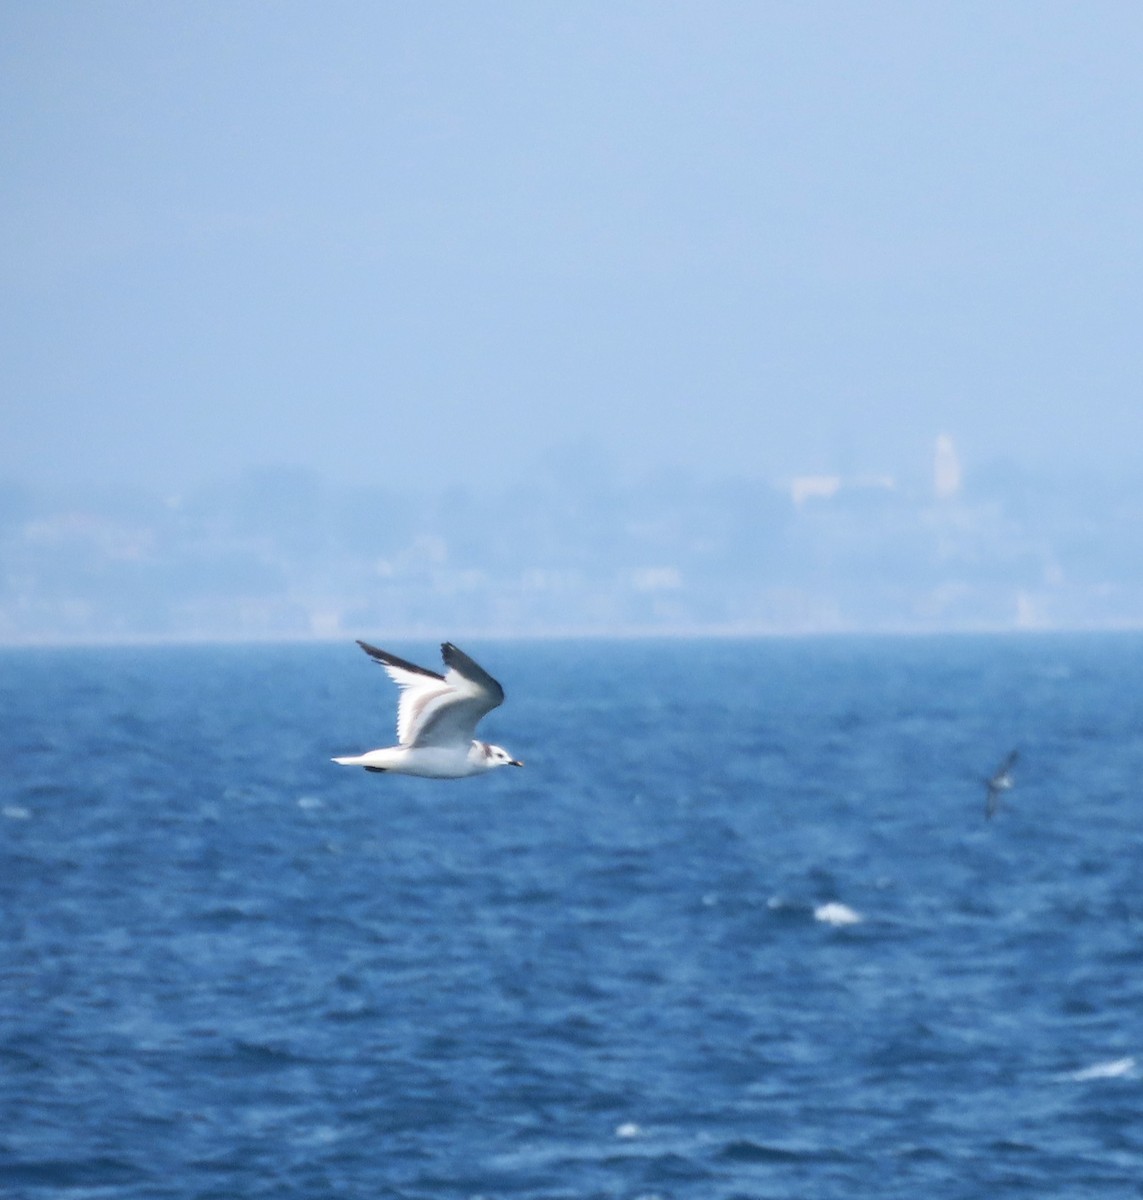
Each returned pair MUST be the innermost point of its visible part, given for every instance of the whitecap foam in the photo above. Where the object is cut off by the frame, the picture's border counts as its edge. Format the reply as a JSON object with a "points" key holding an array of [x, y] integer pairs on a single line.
{"points": [[1116, 1068], [628, 1130], [836, 914], [15, 812]]}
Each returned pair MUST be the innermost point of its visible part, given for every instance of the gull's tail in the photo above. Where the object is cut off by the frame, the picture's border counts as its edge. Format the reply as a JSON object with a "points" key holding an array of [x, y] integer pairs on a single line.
{"points": [[361, 760]]}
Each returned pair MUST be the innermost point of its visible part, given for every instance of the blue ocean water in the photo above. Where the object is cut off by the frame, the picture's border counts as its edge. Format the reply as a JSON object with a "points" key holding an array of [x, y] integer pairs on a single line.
{"points": [[231, 968]]}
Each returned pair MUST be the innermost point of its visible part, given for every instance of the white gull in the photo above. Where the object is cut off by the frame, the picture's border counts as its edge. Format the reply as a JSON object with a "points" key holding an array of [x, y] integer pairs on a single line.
{"points": [[436, 719], [1000, 782]]}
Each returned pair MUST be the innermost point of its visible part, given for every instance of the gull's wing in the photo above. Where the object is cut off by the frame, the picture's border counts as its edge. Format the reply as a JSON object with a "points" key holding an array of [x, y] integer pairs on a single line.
{"points": [[439, 710], [419, 689], [1007, 764], [474, 693]]}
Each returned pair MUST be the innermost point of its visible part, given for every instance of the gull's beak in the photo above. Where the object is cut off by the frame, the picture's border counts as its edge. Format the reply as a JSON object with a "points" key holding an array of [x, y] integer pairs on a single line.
{"points": [[515, 762]]}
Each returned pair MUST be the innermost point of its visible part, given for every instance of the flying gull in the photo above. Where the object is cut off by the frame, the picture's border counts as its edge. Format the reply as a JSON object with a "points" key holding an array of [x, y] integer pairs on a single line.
{"points": [[436, 719], [1001, 782]]}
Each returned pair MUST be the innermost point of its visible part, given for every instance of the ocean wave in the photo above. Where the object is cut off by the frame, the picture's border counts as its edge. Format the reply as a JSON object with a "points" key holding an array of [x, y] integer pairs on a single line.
{"points": [[1115, 1068], [837, 914]]}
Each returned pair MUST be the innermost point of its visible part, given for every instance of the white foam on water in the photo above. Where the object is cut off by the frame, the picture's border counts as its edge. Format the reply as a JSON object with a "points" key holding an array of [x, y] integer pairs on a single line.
{"points": [[310, 802], [836, 914], [1116, 1068], [15, 812], [628, 1130]]}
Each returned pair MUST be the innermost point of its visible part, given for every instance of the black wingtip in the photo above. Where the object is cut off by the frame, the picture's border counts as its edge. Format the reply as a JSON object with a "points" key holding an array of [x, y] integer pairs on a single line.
{"points": [[391, 660], [456, 660], [452, 654]]}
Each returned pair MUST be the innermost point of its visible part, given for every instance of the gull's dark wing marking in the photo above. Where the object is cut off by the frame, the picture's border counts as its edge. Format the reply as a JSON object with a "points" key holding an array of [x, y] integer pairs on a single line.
{"points": [[472, 693], [1008, 763], [420, 690], [439, 710], [456, 660], [391, 660]]}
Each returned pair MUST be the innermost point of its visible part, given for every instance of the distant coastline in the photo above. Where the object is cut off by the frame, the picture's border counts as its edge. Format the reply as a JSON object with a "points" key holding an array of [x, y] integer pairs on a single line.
{"points": [[284, 555]]}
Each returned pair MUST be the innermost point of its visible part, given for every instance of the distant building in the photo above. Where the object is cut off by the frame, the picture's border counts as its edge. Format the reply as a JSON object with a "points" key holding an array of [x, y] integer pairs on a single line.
{"points": [[817, 487], [946, 469], [826, 487]]}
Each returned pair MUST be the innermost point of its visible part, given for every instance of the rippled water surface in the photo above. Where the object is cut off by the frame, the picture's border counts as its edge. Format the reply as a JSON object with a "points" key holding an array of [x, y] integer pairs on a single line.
{"points": [[739, 928]]}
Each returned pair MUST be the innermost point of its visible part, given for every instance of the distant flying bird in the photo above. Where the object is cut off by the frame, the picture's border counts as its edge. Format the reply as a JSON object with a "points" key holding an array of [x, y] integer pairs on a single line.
{"points": [[436, 719], [1000, 782]]}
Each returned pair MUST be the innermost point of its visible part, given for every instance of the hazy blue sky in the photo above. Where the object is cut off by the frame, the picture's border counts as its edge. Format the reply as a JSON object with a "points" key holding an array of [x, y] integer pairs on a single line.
{"points": [[748, 238]]}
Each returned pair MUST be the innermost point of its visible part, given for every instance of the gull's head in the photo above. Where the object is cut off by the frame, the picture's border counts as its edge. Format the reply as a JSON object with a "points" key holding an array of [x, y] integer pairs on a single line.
{"points": [[497, 756]]}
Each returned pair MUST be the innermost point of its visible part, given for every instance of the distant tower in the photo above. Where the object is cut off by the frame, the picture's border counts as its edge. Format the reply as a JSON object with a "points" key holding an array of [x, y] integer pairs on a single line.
{"points": [[946, 469]]}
